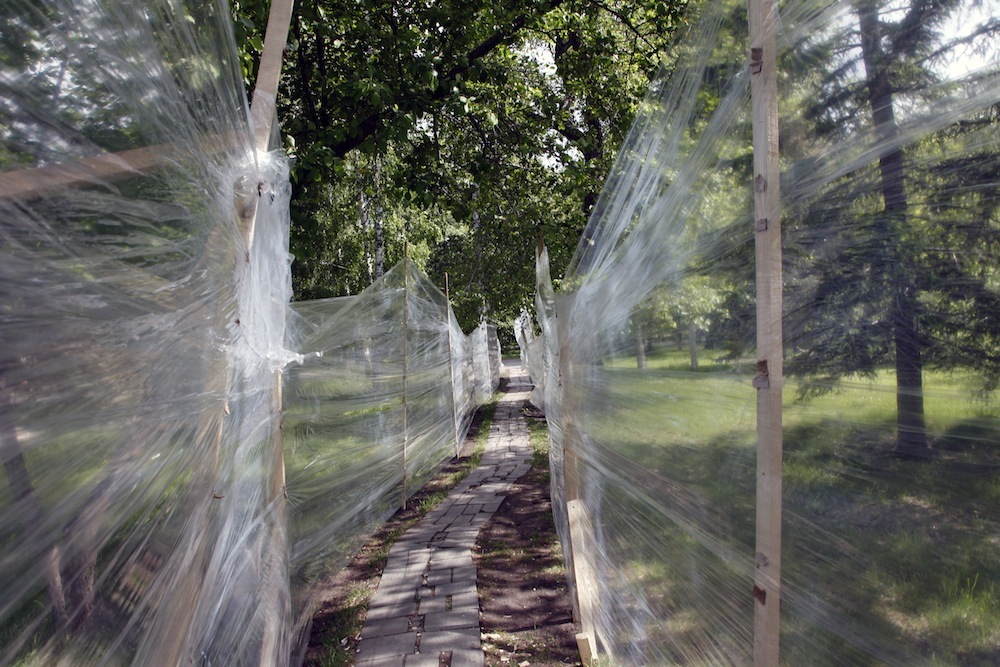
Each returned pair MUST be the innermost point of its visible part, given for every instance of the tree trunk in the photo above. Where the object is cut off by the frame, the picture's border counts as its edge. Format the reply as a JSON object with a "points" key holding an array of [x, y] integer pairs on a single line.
{"points": [[693, 345], [911, 439], [379, 246], [26, 503], [640, 344], [364, 219]]}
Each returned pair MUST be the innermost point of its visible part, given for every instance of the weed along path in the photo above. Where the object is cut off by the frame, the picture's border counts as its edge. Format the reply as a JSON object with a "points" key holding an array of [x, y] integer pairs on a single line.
{"points": [[426, 609]]}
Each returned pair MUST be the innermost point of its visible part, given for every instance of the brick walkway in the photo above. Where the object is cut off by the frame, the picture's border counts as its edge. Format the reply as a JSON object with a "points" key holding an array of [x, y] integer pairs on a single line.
{"points": [[425, 612]]}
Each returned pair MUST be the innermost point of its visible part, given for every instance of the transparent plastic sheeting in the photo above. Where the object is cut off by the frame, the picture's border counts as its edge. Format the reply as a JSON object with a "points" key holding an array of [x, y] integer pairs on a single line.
{"points": [[146, 513], [385, 394], [891, 325]]}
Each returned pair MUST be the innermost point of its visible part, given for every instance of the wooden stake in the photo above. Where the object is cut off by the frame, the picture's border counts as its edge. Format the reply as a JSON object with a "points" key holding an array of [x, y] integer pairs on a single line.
{"points": [[265, 92], [451, 369], [768, 382], [406, 314], [584, 579], [262, 113]]}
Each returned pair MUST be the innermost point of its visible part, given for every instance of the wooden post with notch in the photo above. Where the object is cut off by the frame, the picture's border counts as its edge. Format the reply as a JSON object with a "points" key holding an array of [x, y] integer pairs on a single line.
{"points": [[451, 368], [262, 114], [766, 591], [406, 317]]}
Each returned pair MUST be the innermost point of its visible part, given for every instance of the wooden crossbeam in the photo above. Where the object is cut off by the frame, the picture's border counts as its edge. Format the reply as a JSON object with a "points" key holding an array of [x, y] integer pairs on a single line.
{"points": [[30, 183]]}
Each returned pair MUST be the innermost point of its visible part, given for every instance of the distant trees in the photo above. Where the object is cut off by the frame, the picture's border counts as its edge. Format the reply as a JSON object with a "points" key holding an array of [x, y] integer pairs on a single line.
{"points": [[466, 128], [887, 261]]}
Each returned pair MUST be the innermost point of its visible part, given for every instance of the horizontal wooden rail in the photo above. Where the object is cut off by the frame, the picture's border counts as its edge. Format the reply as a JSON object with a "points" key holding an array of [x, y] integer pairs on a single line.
{"points": [[29, 183], [103, 168]]}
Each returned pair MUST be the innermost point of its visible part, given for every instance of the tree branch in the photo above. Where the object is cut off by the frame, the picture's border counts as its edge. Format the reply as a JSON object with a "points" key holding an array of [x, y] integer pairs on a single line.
{"points": [[375, 121]]}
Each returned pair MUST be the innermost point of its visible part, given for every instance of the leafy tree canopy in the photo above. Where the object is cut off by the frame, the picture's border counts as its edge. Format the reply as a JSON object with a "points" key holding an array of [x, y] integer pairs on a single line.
{"points": [[465, 129]]}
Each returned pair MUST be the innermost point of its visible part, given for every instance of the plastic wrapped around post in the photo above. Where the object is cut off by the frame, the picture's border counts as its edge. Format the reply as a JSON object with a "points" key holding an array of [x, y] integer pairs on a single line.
{"points": [[891, 426], [138, 342], [370, 412]]}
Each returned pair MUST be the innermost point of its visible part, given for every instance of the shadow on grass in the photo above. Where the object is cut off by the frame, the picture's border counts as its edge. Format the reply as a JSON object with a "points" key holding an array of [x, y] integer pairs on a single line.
{"points": [[885, 560]]}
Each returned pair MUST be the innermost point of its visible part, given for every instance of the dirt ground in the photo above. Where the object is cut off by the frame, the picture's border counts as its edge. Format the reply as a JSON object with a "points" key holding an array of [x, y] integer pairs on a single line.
{"points": [[525, 611]]}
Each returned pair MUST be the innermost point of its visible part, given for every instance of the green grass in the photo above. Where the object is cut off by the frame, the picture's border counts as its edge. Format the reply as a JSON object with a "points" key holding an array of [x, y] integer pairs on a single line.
{"points": [[899, 557], [538, 434]]}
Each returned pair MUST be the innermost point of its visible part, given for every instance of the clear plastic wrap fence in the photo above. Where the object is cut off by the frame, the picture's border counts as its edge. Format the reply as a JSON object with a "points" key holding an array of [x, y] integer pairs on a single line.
{"points": [[890, 161], [152, 509], [139, 340], [532, 353], [382, 398]]}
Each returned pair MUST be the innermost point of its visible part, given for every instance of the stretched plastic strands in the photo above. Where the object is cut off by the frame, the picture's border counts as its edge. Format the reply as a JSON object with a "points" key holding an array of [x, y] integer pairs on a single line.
{"points": [[144, 512], [889, 416]]}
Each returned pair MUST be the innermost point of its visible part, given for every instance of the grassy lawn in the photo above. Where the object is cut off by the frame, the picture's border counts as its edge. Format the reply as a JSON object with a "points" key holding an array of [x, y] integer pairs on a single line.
{"points": [[885, 560]]}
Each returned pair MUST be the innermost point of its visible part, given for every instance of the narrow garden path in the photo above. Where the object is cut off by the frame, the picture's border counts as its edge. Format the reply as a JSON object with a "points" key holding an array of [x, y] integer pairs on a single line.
{"points": [[425, 612]]}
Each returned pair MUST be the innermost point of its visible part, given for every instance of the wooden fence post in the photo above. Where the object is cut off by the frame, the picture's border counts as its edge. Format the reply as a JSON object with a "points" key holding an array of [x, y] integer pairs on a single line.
{"points": [[581, 537], [262, 113], [451, 369], [406, 314], [768, 381]]}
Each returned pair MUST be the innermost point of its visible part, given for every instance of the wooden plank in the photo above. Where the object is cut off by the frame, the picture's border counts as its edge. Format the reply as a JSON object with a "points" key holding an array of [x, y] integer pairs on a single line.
{"points": [[265, 92], [96, 170], [588, 652], [451, 368], [768, 382], [406, 322], [262, 113], [582, 540]]}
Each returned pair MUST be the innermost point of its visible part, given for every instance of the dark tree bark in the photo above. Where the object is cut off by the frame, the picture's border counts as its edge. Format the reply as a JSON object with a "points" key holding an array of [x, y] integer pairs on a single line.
{"points": [[25, 501], [911, 439], [640, 344]]}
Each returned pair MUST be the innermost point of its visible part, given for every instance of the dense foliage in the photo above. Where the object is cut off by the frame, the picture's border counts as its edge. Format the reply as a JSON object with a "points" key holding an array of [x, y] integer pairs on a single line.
{"points": [[459, 131]]}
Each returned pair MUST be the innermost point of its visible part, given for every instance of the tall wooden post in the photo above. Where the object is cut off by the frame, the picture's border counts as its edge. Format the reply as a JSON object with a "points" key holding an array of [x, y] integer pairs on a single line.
{"points": [[262, 112], [406, 317], [451, 369], [768, 382], [265, 92]]}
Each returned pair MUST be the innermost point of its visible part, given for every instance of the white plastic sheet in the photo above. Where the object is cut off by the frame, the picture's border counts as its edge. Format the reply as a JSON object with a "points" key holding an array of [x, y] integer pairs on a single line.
{"points": [[153, 509], [890, 220]]}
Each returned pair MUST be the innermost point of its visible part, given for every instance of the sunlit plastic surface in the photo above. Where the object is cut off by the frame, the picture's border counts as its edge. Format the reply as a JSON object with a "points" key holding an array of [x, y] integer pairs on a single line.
{"points": [[890, 147], [154, 510]]}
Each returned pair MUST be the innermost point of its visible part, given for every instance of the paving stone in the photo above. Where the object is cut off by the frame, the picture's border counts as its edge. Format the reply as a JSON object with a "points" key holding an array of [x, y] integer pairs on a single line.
{"points": [[452, 620], [462, 520], [467, 573], [450, 640], [393, 661], [467, 658], [423, 660], [377, 612], [456, 588], [442, 603], [492, 506], [451, 558], [387, 646], [386, 626]]}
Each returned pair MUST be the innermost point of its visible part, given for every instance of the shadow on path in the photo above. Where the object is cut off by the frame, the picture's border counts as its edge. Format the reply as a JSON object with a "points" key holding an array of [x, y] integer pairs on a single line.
{"points": [[425, 612]]}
